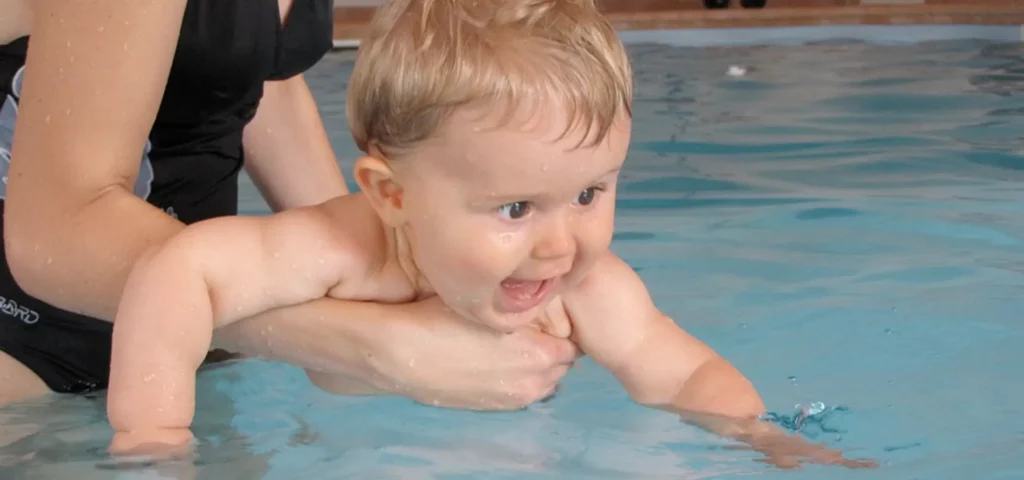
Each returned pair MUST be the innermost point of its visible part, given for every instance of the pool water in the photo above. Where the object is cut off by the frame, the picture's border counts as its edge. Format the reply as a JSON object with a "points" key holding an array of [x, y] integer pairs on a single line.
{"points": [[843, 222]]}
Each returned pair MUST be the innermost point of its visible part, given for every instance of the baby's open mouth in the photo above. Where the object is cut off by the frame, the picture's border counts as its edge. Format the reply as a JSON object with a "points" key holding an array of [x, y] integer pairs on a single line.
{"points": [[521, 295]]}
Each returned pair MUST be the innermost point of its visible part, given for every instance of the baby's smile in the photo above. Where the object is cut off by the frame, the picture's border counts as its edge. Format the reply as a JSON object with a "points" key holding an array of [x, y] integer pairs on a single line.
{"points": [[519, 295]]}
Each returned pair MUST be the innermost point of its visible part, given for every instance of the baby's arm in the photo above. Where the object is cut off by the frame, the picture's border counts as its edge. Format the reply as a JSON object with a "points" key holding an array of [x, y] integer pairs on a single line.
{"points": [[615, 322], [660, 365], [211, 274]]}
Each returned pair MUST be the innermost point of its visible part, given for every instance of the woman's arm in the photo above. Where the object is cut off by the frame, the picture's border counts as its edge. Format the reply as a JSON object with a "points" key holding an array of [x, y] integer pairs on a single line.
{"points": [[287, 151], [93, 82], [15, 21], [420, 350]]}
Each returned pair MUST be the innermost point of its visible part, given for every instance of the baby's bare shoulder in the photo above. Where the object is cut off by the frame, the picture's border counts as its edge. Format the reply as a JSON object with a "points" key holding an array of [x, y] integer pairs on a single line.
{"points": [[334, 235], [353, 232]]}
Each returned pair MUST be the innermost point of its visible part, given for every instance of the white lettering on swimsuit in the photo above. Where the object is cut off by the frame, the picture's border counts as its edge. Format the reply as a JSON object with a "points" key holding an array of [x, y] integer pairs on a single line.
{"points": [[21, 312]]}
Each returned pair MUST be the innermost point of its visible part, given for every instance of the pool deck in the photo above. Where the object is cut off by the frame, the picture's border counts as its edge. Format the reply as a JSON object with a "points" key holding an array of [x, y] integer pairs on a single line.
{"points": [[352, 16]]}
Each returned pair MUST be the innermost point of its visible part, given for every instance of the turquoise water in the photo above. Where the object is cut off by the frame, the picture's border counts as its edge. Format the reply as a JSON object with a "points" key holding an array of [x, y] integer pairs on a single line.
{"points": [[843, 223]]}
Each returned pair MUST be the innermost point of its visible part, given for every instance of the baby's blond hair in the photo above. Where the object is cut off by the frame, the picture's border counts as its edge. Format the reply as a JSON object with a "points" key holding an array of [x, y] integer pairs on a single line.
{"points": [[424, 59]]}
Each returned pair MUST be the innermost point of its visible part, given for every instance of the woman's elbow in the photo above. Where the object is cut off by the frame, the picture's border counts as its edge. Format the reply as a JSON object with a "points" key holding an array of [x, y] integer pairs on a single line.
{"points": [[37, 226], [23, 246]]}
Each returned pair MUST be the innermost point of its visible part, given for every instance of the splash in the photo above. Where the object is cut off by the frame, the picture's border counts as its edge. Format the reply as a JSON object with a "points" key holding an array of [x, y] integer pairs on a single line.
{"points": [[811, 420]]}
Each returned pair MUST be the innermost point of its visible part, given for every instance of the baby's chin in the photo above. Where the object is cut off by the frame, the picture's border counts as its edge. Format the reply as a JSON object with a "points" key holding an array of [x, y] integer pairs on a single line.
{"points": [[502, 321]]}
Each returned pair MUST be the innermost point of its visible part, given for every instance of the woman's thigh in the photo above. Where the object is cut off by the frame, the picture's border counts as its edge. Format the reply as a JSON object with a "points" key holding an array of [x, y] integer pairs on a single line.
{"points": [[19, 383]]}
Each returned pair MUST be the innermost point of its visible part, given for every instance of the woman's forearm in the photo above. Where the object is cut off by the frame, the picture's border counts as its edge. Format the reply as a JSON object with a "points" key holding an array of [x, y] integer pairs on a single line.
{"points": [[288, 155], [419, 350], [327, 335]]}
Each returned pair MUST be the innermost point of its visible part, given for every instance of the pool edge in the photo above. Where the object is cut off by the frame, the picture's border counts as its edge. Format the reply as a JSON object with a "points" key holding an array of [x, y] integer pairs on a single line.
{"points": [[984, 19], [799, 34], [876, 34]]}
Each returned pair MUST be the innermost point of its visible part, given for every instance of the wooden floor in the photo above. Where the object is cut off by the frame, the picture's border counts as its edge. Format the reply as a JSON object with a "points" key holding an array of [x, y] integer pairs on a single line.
{"points": [[349, 22]]}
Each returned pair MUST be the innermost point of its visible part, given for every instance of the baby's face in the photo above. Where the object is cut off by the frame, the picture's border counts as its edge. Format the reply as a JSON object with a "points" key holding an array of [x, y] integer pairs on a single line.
{"points": [[501, 220]]}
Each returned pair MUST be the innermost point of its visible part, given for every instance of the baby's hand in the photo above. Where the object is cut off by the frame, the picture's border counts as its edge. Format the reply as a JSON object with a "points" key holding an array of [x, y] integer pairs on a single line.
{"points": [[779, 448], [791, 451], [154, 445]]}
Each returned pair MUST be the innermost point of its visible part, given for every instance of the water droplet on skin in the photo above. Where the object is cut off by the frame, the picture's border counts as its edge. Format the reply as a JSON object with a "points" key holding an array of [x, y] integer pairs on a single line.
{"points": [[47, 120], [412, 362], [67, 112], [544, 168], [148, 377], [100, 29], [49, 260], [277, 254], [126, 47]]}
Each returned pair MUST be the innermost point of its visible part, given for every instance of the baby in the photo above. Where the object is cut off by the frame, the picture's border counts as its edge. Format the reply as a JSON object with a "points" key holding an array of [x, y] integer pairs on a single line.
{"points": [[494, 132]]}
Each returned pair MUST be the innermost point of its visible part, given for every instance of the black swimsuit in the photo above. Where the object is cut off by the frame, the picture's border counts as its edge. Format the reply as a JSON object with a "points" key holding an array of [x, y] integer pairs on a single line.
{"points": [[190, 167]]}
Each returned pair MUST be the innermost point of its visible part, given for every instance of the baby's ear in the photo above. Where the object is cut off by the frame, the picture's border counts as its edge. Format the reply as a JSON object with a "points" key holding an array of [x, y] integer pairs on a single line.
{"points": [[377, 181]]}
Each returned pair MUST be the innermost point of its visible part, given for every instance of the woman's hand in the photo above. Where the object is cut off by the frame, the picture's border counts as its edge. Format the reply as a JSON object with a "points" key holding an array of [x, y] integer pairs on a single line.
{"points": [[421, 350], [438, 358]]}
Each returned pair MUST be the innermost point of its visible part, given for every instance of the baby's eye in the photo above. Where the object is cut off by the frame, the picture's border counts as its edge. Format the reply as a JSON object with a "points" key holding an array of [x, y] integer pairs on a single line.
{"points": [[586, 197], [514, 210]]}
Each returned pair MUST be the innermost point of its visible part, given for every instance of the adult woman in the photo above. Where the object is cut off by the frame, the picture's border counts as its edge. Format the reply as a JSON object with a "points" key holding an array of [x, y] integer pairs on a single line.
{"points": [[133, 118]]}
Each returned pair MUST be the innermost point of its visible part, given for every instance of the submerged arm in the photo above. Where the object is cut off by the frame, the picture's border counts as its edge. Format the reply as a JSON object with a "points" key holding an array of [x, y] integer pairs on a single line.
{"points": [[663, 366], [212, 274]]}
